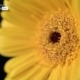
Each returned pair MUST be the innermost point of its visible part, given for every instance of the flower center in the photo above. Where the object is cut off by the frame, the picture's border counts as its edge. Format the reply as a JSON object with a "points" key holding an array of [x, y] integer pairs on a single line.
{"points": [[54, 37], [57, 38]]}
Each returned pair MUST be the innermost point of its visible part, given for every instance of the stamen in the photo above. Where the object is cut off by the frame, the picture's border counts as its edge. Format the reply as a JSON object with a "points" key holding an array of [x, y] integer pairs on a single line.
{"points": [[58, 39]]}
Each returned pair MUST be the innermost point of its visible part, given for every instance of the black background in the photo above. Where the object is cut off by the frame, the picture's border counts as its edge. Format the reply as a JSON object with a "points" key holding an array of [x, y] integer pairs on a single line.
{"points": [[2, 59]]}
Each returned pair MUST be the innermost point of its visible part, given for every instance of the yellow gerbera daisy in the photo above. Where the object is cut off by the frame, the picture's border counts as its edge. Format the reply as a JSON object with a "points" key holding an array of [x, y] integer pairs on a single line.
{"points": [[43, 38]]}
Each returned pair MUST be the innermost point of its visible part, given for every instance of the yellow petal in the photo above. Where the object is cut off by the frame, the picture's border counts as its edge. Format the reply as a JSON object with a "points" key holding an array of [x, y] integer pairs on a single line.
{"points": [[76, 8], [16, 32], [65, 72], [36, 68], [68, 4], [21, 62], [24, 75], [15, 13], [43, 74], [55, 74], [13, 47], [73, 71]]}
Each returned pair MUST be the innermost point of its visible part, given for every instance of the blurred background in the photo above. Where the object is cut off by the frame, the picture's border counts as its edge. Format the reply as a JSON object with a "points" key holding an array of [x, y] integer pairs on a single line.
{"points": [[2, 59]]}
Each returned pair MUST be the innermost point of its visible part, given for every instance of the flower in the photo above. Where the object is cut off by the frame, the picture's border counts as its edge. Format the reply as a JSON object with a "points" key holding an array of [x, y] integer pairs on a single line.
{"points": [[43, 38]]}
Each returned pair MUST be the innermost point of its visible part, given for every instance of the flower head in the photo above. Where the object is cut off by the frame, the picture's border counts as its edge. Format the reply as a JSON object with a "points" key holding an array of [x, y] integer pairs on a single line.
{"points": [[44, 39]]}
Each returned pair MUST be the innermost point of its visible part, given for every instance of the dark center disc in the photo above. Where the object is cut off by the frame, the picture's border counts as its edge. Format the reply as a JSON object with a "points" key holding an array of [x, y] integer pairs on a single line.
{"points": [[54, 37]]}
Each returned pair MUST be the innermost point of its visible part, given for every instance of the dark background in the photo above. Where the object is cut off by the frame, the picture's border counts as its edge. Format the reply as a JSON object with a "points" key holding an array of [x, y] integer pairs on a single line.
{"points": [[2, 59]]}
